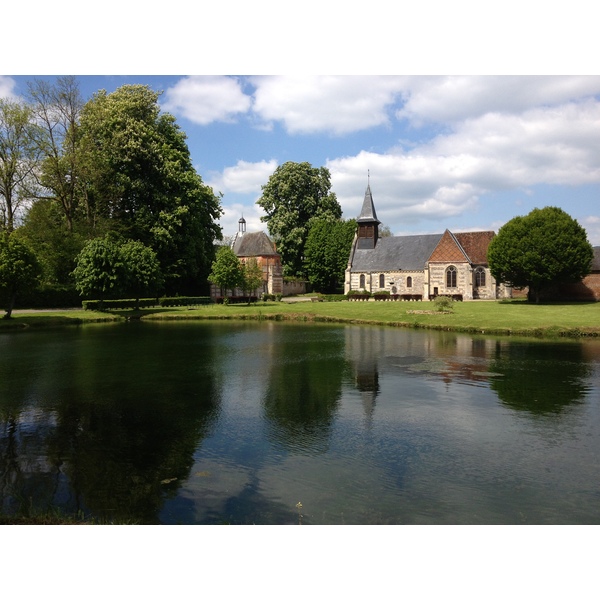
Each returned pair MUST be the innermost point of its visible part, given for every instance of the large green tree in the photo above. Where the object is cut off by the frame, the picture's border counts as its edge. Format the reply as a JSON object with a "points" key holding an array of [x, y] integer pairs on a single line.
{"points": [[19, 155], [141, 179], [327, 252], [100, 271], [294, 197], [112, 266], [19, 270], [541, 250]]}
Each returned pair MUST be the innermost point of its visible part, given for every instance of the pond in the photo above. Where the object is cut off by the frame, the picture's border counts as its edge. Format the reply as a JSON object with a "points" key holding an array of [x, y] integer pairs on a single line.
{"points": [[287, 423]]}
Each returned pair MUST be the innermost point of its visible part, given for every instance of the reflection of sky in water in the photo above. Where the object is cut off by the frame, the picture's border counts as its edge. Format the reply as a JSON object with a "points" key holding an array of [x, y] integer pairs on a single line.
{"points": [[237, 423]]}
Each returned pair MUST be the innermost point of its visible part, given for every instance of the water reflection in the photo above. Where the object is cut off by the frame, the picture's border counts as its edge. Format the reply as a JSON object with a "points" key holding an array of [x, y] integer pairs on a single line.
{"points": [[130, 435], [238, 422], [540, 378], [302, 394]]}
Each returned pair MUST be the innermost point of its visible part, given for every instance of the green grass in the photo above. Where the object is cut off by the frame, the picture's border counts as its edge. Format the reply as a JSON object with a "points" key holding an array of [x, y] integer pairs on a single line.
{"points": [[54, 318], [497, 318], [513, 318]]}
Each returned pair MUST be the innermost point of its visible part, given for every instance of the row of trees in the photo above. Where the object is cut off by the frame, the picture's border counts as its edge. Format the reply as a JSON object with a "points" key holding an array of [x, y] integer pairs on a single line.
{"points": [[73, 171]]}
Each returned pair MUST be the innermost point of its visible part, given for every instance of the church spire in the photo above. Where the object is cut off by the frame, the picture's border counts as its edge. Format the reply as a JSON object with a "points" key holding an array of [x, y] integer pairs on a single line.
{"points": [[368, 223]]}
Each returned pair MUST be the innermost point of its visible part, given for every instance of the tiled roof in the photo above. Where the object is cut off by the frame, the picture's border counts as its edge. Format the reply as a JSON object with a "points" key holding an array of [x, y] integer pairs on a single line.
{"points": [[253, 244], [475, 244], [596, 259], [448, 250]]}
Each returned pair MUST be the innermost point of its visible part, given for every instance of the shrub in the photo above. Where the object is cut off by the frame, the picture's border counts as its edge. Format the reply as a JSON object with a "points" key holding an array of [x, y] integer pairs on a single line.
{"points": [[443, 304]]}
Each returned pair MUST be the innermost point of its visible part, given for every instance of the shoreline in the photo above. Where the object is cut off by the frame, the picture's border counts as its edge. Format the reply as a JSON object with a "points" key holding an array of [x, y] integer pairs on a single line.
{"points": [[561, 321]]}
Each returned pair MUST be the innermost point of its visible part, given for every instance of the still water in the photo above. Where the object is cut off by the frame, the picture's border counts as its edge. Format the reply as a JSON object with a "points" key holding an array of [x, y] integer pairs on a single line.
{"points": [[286, 423]]}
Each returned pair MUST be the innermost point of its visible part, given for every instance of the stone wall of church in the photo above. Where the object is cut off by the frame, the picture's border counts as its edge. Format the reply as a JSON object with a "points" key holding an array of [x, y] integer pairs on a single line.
{"points": [[394, 282]]}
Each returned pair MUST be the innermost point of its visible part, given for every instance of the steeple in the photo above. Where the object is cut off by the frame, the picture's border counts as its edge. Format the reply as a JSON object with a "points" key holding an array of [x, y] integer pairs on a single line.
{"points": [[368, 223], [368, 214], [242, 226]]}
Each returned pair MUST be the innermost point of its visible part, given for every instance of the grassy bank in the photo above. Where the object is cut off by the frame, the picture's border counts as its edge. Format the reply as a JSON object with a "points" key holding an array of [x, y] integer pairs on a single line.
{"points": [[28, 319], [497, 318], [508, 318]]}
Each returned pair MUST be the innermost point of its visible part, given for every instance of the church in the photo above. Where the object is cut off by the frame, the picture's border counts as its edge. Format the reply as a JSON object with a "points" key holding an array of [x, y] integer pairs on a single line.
{"points": [[420, 267]]}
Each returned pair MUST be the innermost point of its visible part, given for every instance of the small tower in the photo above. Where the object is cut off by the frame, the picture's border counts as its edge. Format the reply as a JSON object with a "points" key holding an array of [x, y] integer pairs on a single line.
{"points": [[368, 224], [242, 226]]}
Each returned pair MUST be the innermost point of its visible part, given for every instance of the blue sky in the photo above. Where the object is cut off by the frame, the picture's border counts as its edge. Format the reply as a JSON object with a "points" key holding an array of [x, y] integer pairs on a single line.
{"points": [[463, 152]]}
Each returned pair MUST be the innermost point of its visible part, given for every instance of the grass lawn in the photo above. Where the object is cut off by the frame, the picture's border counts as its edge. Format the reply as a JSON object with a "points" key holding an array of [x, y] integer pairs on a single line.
{"points": [[54, 318], [514, 317]]}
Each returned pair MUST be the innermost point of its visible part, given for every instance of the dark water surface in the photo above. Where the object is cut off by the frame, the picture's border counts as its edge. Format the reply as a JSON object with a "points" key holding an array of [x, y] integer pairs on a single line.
{"points": [[240, 422]]}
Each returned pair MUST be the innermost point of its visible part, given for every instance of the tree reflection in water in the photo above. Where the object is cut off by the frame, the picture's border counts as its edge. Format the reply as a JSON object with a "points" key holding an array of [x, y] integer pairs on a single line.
{"points": [[113, 450], [303, 394]]}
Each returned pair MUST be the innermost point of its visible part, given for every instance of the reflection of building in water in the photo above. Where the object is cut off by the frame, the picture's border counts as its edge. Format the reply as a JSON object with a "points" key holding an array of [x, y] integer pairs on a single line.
{"points": [[443, 355]]}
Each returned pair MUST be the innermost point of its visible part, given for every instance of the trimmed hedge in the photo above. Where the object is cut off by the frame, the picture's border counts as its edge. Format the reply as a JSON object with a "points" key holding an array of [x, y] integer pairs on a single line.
{"points": [[49, 296], [145, 303], [186, 301]]}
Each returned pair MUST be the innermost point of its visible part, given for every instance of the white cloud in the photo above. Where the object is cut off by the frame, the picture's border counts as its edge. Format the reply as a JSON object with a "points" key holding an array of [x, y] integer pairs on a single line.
{"points": [[206, 99], [447, 176], [339, 105], [452, 99], [243, 178], [7, 86]]}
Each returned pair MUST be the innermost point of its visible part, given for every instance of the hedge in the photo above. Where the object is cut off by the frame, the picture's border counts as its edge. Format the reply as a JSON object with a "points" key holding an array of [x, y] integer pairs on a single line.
{"points": [[145, 302]]}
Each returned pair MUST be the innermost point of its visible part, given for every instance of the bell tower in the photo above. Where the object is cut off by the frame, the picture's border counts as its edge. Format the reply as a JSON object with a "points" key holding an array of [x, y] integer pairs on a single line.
{"points": [[368, 224]]}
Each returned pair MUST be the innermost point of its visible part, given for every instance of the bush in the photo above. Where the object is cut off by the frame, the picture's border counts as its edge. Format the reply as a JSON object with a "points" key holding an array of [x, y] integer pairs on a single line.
{"points": [[443, 304], [334, 297]]}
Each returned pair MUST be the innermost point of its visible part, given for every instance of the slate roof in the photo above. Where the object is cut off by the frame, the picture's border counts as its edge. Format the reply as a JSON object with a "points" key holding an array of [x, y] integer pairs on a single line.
{"points": [[367, 213], [407, 253], [254, 244]]}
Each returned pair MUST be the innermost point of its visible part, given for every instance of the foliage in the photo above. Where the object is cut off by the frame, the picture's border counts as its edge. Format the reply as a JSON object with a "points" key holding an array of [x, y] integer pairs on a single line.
{"points": [[56, 246], [294, 197], [19, 270], [110, 266], [226, 271], [99, 270], [443, 304], [57, 109], [18, 159], [186, 301], [142, 269], [540, 250], [252, 276], [327, 252], [141, 179]]}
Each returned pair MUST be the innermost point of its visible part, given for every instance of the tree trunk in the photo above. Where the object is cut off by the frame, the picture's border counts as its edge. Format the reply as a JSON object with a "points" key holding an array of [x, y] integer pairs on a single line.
{"points": [[11, 305]]}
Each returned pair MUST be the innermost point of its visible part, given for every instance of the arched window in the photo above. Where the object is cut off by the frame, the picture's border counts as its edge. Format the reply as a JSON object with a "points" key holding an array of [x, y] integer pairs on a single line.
{"points": [[451, 277], [409, 282], [480, 277], [381, 281], [362, 282]]}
